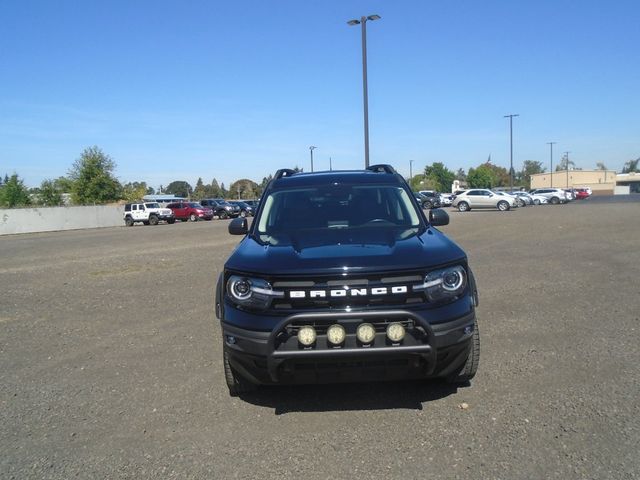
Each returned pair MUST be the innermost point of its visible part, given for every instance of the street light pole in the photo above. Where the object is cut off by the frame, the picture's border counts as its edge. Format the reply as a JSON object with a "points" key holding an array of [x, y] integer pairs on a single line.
{"points": [[410, 170], [363, 22], [511, 144], [551, 144], [311, 148], [330, 166]]}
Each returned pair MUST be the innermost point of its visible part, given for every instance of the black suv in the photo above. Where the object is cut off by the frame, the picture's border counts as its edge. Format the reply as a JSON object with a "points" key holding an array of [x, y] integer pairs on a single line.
{"points": [[221, 208], [341, 277]]}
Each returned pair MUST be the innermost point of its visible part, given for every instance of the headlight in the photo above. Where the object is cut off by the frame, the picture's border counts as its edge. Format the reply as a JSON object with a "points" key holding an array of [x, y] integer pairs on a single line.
{"points": [[251, 292], [445, 283]]}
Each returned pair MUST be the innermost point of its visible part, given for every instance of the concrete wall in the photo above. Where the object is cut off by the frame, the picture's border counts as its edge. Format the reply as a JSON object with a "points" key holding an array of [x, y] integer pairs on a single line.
{"points": [[47, 219]]}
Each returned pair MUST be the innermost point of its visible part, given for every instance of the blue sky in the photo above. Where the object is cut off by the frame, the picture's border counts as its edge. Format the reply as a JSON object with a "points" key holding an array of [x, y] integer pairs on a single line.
{"points": [[174, 90]]}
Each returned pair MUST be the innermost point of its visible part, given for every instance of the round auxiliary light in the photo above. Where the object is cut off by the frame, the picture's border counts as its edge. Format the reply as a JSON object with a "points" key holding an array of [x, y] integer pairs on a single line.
{"points": [[241, 288], [307, 336], [336, 334], [395, 332], [366, 333], [451, 280]]}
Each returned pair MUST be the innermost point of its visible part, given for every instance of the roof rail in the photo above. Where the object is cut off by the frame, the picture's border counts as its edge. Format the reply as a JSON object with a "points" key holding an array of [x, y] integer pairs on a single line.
{"points": [[382, 168], [284, 172]]}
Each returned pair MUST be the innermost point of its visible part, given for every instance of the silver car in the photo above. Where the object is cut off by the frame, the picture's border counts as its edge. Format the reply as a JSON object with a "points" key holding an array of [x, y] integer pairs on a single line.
{"points": [[482, 198], [553, 195]]}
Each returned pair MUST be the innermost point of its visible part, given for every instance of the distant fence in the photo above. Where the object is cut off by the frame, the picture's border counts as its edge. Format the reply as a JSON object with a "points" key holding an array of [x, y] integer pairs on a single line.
{"points": [[48, 219]]}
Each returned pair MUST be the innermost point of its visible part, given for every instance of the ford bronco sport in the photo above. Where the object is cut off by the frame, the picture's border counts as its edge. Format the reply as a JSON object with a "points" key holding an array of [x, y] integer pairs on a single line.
{"points": [[341, 277]]}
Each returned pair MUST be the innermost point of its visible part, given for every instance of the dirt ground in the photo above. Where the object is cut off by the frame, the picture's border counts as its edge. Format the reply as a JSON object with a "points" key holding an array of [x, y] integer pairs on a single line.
{"points": [[110, 363]]}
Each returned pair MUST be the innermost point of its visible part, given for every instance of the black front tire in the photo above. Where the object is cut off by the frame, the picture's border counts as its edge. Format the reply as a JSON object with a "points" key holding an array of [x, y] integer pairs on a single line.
{"points": [[193, 217], [470, 367], [153, 220], [555, 201], [235, 382], [463, 207], [128, 222], [171, 221], [223, 215]]}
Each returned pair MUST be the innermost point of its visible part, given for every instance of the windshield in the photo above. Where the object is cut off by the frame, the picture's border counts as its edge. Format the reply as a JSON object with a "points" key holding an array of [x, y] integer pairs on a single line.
{"points": [[195, 205], [152, 205], [341, 207]]}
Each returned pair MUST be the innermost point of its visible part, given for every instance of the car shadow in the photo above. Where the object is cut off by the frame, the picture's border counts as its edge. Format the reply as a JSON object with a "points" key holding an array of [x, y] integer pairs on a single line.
{"points": [[350, 397]]}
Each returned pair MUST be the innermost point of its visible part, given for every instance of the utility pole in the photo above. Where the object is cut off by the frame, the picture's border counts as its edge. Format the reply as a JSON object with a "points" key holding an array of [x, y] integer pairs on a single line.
{"points": [[410, 170], [551, 144], [566, 157], [330, 166], [511, 144], [311, 148]]}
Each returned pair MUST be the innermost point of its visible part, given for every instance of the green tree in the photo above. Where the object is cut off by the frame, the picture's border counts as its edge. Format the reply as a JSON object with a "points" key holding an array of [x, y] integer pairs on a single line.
{"points": [[481, 177], [63, 184], [223, 191], [179, 188], [629, 167], [49, 195], [13, 193], [461, 175], [601, 166], [440, 176], [93, 179], [529, 167], [201, 191], [243, 188], [134, 191], [565, 163]]}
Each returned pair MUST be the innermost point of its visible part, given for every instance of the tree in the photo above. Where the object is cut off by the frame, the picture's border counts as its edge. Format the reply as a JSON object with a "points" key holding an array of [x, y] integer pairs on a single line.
{"points": [[243, 188], [631, 166], [440, 176], [461, 175], [481, 177], [179, 188], [49, 195], [223, 191], [201, 191], [601, 166], [529, 167], [134, 191], [63, 184], [13, 193], [565, 163], [93, 179]]}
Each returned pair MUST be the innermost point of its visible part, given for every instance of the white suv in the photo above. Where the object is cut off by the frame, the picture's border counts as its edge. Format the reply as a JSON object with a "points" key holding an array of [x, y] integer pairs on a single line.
{"points": [[553, 195], [149, 213]]}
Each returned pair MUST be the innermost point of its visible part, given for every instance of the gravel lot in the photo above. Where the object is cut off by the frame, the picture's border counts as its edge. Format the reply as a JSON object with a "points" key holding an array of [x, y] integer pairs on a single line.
{"points": [[110, 363]]}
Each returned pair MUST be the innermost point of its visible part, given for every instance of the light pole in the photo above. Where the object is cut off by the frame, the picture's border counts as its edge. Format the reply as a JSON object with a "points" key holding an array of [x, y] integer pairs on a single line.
{"points": [[330, 166], [311, 148], [363, 23], [551, 144], [410, 170], [511, 143]]}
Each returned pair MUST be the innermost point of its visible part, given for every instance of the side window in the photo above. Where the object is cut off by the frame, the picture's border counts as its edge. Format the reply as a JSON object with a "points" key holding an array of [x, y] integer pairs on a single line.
{"points": [[473, 193], [127, 207], [134, 207]]}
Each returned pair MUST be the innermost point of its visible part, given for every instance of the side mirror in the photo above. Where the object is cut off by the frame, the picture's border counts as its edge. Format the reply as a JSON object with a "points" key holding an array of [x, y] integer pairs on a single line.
{"points": [[438, 217], [238, 226]]}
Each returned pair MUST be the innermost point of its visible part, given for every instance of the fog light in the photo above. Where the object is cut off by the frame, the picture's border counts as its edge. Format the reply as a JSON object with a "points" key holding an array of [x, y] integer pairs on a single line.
{"points": [[307, 336], [336, 334], [366, 333], [395, 332]]}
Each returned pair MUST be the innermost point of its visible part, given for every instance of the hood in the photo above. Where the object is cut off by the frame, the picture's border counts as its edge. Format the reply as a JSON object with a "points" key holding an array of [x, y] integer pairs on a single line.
{"points": [[345, 251]]}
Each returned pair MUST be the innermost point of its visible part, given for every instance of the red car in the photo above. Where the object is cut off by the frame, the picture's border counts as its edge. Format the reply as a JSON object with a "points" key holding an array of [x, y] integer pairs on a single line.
{"points": [[190, 211], [581, 194]]}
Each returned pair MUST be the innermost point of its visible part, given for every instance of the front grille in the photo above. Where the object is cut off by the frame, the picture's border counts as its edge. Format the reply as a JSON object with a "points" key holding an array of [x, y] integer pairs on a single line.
{"points": [[334, 292]]}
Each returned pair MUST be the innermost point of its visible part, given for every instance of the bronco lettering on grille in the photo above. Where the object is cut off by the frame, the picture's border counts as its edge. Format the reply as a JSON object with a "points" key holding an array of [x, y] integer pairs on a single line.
{"points": [[349, 292]]}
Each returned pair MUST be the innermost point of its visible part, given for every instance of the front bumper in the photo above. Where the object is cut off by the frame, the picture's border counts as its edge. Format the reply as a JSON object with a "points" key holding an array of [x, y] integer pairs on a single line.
{"points": [[428, 350]]}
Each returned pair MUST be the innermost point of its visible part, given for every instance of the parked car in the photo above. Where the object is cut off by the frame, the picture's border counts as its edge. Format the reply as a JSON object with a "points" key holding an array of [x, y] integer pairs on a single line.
{"points": [[586, 190], [252, 203], [190, 211], [570, 194], [517, 202], [446, 199], [553, 195], [532, 199], [246, 210], [426, 202], [149, 213], [582, 194], [221, 208], [482, 198], [433, 197]]}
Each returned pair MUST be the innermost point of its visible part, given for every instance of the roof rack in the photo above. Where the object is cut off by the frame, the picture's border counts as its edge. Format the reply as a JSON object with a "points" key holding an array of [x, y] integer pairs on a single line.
{"points": [[284, 172], [382, 168]]}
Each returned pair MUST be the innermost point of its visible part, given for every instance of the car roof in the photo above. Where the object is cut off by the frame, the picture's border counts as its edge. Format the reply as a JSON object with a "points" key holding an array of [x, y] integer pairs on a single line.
{"points": [[336, 177]]}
